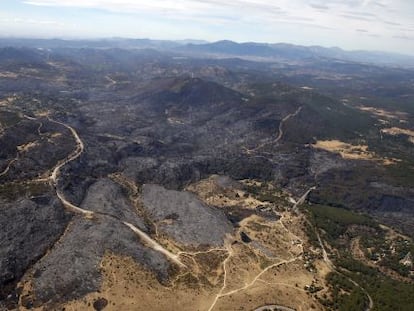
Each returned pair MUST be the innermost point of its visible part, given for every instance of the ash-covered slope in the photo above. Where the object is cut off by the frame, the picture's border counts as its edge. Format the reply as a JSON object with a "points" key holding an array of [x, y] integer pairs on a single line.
{"points": [[149, 129]]}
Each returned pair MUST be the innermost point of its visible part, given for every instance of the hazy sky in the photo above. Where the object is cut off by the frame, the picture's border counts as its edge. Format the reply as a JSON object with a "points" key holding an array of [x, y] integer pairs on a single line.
{"points": [[350, 24]]}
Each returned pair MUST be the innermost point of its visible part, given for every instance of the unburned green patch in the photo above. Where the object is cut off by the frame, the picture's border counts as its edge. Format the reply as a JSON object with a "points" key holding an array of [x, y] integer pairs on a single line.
{"points": [[335, 221], [13, 191], [9, 118]]}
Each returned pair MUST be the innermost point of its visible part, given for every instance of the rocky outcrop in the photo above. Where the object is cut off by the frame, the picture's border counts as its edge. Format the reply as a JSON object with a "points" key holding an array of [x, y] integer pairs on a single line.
{"points": [[107, 197], [182, 216], [71, 269], [28, 230]]}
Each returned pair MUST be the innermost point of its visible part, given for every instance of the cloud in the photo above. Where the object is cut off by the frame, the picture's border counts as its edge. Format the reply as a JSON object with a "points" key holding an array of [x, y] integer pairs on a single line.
{"points": [[203, 11], [403, 37], [319, 6], [30, 21], [357, 17], [361, 13], [392, 23], [378, 4], [243, 10], [335, 21], [407, 29], [342, 3], [170, 5]]}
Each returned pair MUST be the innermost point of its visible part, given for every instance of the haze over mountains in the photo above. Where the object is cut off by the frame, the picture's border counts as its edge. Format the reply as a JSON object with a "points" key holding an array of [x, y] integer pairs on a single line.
{"points": [[225, 48]]}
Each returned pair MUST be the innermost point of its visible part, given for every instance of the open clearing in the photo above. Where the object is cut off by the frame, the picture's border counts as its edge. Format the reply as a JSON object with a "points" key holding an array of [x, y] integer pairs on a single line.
{"points": [[394, 131], [240, 275], [382, 113], [351, 152]]}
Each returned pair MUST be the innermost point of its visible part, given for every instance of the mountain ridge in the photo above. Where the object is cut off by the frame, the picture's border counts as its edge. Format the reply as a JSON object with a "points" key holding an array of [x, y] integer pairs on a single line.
{"points": [[271, 51]]}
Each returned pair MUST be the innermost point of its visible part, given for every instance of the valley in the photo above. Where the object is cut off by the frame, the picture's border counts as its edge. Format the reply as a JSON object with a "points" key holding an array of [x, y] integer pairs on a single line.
{"points": [[136, 179]]}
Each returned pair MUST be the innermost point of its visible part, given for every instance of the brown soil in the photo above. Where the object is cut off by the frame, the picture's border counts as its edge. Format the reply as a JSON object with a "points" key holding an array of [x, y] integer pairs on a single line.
{"points": [[382, 113], [251, 278], [351, 152], [211, 193], [399, 131], [7, 74], [268, 270]]}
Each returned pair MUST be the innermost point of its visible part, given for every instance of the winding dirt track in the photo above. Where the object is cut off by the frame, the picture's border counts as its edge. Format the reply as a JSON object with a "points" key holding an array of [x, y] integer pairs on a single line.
{"points": [[173, 257], [280, 132], [332, 266], [280, 135], [257, 277], [6, 170], [54, 180], [326, 259], [16, 158]]}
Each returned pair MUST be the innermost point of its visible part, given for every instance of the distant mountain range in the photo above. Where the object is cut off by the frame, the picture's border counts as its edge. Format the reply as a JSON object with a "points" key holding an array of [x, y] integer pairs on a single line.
{"points": [[223, 49], [292, 52]]}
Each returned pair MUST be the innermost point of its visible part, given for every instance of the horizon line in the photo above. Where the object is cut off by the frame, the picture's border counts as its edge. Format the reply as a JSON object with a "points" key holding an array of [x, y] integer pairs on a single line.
{"points": [[108, 38]]}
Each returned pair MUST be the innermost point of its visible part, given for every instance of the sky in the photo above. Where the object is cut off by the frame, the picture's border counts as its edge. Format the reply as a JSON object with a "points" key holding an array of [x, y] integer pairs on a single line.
{"points": [[383, 25]]}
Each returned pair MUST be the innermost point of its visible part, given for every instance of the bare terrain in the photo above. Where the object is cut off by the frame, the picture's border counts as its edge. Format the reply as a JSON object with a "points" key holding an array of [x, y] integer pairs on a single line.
{"points": [[172, 179]]}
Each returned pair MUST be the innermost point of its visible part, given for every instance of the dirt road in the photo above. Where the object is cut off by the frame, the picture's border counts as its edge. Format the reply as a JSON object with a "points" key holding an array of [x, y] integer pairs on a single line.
{"points": [[54, 177]]}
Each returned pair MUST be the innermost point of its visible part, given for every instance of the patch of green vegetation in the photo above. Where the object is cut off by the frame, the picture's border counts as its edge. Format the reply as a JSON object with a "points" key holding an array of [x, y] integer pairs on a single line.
{"points": [[311, 234], [347, 187], [335, 221], [347, 262], [388, 253], [326, 118], [9, 118], [12, 191], [345, 295], [403, 104], [388, 294], [266, 192], [179, 85], [337, 117], [402, 174]]}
